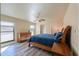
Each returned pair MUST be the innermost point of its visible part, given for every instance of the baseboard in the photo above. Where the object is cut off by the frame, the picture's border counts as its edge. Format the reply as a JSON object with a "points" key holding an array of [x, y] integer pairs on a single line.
{"points": [[6, 42], [74, 52]]}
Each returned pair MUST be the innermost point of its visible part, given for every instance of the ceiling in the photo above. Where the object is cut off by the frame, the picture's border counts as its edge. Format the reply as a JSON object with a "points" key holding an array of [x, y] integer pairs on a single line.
{"points": [[34, 11]]}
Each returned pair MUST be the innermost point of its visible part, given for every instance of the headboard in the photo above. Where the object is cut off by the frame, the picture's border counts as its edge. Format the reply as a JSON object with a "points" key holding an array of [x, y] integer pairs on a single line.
{"points": [[66, 38]]}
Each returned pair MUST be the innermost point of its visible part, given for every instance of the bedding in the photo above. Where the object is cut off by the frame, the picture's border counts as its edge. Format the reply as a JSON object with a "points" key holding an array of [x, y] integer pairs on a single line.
{"points": [[57, 36], [46, 39]]}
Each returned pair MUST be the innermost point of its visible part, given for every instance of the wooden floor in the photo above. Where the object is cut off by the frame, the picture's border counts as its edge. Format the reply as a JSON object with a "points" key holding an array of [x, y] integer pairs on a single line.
{"points": [[22, 49]]}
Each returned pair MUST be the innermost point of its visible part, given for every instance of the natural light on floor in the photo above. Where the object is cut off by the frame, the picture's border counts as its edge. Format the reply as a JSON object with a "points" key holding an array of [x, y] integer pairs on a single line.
{"points": [[3, 49]]}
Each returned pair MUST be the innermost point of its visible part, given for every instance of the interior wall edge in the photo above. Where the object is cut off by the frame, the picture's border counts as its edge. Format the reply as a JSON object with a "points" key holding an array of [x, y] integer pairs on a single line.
{"points": [[15, 18]]}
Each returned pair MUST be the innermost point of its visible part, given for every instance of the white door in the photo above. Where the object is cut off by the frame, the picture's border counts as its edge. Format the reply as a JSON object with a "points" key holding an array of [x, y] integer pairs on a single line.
{"points": [[41, 29]]}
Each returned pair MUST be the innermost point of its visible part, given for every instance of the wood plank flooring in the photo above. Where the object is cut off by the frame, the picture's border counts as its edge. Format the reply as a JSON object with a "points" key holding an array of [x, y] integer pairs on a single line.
{"points": [[22, 49]]}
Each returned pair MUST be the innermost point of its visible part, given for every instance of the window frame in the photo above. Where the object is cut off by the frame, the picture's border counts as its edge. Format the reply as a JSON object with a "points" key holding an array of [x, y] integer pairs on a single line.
{"points": [[13, 31]]}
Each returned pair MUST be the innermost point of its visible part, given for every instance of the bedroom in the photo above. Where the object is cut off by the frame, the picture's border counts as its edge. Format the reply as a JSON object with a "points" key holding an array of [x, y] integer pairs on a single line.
{"points": [[31, 19]]}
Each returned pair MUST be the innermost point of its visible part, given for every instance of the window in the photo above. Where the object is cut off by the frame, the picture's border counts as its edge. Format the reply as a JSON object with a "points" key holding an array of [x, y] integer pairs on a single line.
{"points": [[32, 28], [7, 31]]}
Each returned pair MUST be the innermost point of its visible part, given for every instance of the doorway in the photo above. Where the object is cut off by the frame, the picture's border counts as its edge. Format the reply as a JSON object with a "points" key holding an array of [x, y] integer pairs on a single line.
{"points": [[42, 29]]}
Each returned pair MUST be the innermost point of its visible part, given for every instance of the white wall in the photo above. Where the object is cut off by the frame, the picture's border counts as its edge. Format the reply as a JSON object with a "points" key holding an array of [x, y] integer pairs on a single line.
{"points": [[71, 18], [50, 25], [78, 28], [38, 27]]}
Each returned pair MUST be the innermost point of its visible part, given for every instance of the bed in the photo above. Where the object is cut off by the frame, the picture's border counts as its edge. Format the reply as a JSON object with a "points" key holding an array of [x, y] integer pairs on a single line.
{"points": [[46, 39], [52, 42]]}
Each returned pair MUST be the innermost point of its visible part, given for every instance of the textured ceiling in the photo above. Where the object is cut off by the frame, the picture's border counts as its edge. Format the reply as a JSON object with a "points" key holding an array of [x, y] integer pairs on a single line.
{"points": [[34, 11]]}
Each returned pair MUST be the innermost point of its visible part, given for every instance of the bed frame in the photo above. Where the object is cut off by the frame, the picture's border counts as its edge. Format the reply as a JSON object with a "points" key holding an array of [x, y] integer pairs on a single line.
{"points": [[60, 47]]}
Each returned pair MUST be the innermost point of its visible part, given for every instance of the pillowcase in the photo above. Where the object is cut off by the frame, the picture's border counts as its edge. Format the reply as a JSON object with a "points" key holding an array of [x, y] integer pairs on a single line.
{"points": [[57, 36]]}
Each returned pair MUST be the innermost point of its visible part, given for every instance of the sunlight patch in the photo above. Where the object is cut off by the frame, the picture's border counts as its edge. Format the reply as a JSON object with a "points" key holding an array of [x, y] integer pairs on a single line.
{"points": [[4, 48]]}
